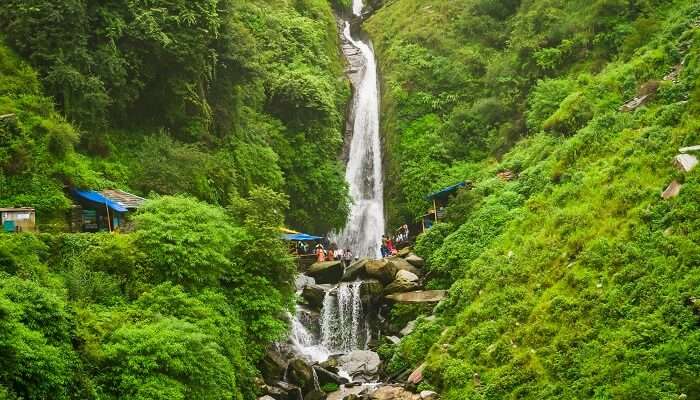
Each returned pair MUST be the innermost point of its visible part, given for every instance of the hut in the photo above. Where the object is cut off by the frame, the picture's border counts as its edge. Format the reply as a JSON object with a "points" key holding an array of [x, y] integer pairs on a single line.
{"points": [[106, 210], [22, 219], [439, 200]]}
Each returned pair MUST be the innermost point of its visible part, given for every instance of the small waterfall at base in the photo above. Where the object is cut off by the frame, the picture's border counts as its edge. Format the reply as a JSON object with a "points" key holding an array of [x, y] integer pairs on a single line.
{"points": [[343, 324]]}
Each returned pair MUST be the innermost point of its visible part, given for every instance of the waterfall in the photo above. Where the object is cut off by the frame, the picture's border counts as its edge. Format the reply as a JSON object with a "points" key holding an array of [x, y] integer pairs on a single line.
{"points": [[365, 225], [343, 324]]}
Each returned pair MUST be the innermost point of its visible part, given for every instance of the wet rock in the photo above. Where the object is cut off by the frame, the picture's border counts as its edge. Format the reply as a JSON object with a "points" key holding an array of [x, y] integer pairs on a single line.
{"points": [[417, 375], [314, 294], [315, 395], [420, 296], [393, 393], [326, 376], [406, 276], [371, 291], [355, 269], [409, 328], [300, 373], [273, 366], [293, 391], [381, 269], [415, 261], [326, 272], [429, 395], [361, 365], [303, 280], [400, 286], [403, 253], [403, 265]]}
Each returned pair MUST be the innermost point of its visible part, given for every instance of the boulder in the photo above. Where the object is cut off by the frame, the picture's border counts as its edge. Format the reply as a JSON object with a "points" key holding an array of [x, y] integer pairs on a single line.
{"points": [[393, 393], [407, 276], [293, 391], [392, 339], [403, 265], [361, 365], [417, 375], [314, 294], [302, 280], [355, 269], [415, 261], [273, 366], [381, 269], [400, 286], [420, 296], [326, 272], [403, 253], [409, 328], [316, 394], [371, 291], [266, 398], [673, 189], [326, 376], [429, 395], [300, 373]]}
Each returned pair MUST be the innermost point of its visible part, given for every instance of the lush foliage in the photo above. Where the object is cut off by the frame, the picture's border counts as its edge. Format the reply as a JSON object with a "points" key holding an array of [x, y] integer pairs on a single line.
{"points": [[209, 98], [575, 279], [182, 308]]}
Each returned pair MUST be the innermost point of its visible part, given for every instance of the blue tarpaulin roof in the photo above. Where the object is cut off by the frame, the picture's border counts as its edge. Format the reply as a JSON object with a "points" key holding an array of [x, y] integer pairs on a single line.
{"points": [[96, 197], [445, 191], [300, 237]]}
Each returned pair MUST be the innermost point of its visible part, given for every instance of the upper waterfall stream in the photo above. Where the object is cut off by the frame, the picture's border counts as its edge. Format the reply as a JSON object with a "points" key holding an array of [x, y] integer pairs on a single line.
{"points": [[365, 225]]}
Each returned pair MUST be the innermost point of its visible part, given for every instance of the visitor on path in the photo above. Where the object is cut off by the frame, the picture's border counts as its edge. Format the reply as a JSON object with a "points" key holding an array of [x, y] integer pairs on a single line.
{"points": [[347, 257], [320, 253]]}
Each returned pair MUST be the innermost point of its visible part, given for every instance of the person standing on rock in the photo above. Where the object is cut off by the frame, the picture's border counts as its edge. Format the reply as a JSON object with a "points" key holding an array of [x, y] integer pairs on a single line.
{"points": [[320, 254]]}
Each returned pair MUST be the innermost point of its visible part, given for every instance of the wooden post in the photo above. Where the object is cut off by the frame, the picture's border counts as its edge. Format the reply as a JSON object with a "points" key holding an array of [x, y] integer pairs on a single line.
{"points": [[435, 209], [109, 220]]}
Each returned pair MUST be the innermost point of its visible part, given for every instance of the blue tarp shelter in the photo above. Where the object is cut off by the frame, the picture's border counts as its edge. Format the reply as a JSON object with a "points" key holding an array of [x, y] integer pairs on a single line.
{"points": [[444, 192], [299, 237], [96, 197]]}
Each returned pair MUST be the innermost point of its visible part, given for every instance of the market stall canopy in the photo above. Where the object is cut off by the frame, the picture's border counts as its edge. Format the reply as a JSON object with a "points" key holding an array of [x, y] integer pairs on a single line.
{"points": [[96, 197], [300, 237], [444, 192]]}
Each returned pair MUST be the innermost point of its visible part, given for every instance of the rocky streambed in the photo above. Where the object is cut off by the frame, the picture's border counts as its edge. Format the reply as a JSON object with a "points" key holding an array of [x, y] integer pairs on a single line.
{"points": [[339, 321]]}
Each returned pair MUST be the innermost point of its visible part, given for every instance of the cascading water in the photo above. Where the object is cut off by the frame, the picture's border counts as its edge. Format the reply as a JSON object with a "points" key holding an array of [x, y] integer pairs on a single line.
{"points": [[343, 324], [365, 225]]}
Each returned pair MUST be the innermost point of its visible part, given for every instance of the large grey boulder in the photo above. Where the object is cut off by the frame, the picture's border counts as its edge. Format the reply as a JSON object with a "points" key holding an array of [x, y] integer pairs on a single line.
{"points": [[383, 270], [428, 395], [326, 376], [302, 280], [420, 296], [371, 291], [361, 365], [400, 286], [326, 272], [403, 265], [273, 366], [355, 270], [314, 294], [407, 276], [415, 261]]}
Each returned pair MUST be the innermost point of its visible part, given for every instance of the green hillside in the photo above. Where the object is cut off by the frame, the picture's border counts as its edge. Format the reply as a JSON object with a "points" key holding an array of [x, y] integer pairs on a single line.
{"points": [[575, 279]]}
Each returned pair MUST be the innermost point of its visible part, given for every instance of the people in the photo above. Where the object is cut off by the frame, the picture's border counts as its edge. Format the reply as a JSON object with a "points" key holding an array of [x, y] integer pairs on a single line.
{"points": [[384, 249], [339, 254], [390, 246], [347, 257], [320, 253], [330, 255]]}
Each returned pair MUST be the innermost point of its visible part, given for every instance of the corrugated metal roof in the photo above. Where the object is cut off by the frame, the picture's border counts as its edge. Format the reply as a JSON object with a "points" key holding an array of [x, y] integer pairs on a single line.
{"points": [[128, 200]]}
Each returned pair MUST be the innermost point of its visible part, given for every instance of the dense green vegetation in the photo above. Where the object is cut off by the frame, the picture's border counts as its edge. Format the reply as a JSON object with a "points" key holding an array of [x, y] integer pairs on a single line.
{"points": [[183, 307], [208, 98], [574, 280], [229, 116]]}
